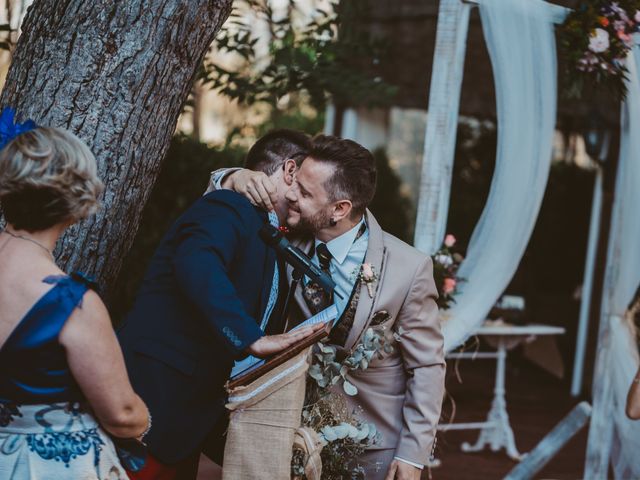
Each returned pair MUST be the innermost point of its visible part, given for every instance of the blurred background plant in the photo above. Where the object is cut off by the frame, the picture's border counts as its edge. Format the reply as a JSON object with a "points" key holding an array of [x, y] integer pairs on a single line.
{"points": [[302, 56]]}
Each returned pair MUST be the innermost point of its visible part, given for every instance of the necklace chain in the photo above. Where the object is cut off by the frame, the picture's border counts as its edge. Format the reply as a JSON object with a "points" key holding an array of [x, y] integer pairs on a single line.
{"points": [[22, 237]]}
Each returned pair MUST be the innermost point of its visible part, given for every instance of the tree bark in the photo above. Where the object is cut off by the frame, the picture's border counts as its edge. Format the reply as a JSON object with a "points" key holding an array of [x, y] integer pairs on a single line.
{"points": [[116, 74]]}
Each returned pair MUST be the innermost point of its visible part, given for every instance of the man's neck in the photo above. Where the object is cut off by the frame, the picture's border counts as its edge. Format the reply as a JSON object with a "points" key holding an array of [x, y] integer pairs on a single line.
{"points": [[327, 234]]}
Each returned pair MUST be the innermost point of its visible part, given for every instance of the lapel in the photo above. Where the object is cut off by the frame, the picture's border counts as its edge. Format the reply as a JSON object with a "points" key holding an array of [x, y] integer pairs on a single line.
{"points": [[375, 256], [303, 244]]}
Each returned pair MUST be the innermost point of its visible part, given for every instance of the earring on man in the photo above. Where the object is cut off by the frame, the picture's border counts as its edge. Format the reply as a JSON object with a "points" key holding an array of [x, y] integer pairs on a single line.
{"points": [[332, 222]]}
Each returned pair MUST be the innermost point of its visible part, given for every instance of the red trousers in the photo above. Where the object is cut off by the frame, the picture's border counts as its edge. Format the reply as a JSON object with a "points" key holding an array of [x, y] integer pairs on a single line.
{"points": [[155, 470]]}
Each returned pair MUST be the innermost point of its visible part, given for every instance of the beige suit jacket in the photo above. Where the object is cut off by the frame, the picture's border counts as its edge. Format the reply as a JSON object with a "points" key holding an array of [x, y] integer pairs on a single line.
{"points": [[401, 393]]}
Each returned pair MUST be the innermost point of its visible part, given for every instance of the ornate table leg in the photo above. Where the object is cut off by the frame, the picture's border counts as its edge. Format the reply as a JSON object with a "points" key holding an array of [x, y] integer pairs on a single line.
{"points": [[497, 432]]}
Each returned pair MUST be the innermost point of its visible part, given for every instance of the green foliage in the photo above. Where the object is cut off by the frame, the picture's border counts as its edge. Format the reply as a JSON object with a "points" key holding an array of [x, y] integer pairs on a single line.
{"points": [[292, 118], [308, 58], [327, 371], [344, 436], [390, 206], [183, 178]]}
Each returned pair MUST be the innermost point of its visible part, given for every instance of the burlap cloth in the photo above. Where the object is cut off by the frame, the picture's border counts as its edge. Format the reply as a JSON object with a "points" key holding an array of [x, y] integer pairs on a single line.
{"points": [[309, 442], [264, 417]]}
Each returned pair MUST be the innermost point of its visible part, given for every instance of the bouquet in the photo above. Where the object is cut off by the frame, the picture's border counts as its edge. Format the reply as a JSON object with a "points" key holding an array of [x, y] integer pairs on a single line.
{"points": [[596, 39], [445, 267]]}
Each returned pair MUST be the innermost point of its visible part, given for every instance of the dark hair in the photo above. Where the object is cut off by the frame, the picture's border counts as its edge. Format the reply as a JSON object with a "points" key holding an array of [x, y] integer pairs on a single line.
{"points": [[271, 150], [354, 177], [35, 209]]}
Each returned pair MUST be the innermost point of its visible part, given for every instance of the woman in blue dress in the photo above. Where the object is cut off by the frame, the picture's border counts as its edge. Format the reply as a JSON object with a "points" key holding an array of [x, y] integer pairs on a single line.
{"points": [[64, 389]]}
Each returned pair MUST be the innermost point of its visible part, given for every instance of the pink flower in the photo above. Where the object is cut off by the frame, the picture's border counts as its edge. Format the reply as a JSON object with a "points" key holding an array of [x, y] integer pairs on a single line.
{"points": [[625, 37], [599, 41], [449, 241], [449, 285], [367, 273], [636, 17]]}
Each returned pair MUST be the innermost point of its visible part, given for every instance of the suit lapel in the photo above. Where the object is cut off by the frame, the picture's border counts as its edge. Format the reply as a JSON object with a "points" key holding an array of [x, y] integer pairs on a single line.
{"points": [[375, 257]]}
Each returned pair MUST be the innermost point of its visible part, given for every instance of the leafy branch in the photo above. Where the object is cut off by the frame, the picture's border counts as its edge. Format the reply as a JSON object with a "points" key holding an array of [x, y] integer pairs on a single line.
{"points": [[322, 57]]}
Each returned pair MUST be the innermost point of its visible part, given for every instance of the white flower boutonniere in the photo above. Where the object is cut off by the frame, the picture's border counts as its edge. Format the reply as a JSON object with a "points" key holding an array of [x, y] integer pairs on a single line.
{"points": [[369, 276]]}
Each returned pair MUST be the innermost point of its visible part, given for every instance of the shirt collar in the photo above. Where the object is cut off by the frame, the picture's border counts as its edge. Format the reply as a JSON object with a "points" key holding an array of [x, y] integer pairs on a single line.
{"points": [[273, 219], [340, 246]]}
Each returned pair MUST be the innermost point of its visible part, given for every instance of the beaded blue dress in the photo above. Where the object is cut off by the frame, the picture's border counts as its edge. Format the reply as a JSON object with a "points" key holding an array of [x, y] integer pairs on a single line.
{"points": [[46, 428]]}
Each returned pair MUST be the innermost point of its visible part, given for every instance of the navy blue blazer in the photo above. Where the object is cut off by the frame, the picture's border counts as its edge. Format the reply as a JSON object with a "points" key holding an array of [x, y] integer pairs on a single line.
{"points": [[198, 309]]}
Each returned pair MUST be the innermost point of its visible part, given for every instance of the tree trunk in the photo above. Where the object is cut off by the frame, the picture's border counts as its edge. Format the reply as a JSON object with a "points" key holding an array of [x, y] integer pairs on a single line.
{"points": [[117, 75]]}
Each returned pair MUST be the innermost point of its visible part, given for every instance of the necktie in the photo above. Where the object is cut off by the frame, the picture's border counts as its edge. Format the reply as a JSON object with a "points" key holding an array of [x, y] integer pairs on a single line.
{"points": [[317, 299]]}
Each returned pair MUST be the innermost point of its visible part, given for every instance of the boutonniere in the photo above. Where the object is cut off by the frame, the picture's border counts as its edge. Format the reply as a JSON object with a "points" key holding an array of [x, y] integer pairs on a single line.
{"points": [[369, 276], [283, 229]]}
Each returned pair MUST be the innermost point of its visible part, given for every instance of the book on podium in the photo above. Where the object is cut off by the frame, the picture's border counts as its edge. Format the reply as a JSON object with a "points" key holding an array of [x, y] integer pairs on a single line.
{"points": [[255, 369]]}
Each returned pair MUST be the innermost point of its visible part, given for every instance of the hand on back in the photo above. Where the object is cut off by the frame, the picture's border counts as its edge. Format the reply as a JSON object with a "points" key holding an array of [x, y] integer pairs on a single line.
{"points": [[256, 186]]}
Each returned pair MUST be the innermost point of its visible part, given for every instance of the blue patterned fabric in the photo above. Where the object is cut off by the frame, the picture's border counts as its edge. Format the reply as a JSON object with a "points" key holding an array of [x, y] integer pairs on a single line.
{"points": [[45, 432], [55, 441]]}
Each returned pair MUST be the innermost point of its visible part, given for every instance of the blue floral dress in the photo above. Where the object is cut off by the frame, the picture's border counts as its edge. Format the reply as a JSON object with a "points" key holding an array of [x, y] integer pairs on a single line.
{"points": [[46, 429]]}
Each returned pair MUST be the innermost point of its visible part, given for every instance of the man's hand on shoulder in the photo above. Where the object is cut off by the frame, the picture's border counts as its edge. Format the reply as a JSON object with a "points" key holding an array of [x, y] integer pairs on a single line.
{"points": [[271, 344], [256, 186], [402, 471]]}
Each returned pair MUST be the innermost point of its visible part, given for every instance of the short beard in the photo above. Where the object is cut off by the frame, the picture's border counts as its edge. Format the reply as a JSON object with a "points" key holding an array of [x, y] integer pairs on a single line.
{"points": [[315, 223]]}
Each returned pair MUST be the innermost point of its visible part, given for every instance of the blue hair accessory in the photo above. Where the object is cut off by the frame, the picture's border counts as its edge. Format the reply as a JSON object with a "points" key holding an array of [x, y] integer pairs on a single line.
{"points": [[9, 129]]}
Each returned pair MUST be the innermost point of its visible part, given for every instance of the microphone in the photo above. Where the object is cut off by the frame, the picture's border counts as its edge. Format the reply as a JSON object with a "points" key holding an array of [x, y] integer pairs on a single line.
{"points": [[297, 258]]}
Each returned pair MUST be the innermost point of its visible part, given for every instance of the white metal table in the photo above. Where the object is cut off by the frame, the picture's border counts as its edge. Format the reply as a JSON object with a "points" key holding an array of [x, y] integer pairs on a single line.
{"points": [[496, 431]]}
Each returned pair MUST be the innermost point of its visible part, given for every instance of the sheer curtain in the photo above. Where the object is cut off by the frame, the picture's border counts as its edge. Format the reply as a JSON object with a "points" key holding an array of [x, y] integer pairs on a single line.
{"points": [[623, 278], [520, 39]]}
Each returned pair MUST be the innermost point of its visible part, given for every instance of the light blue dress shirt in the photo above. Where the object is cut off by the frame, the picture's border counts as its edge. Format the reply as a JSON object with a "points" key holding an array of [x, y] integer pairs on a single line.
{"points": [[347, 256]]}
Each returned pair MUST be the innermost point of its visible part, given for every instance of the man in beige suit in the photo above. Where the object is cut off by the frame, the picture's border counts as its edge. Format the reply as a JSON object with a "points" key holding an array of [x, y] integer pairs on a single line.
{"points": [[402, 392]]}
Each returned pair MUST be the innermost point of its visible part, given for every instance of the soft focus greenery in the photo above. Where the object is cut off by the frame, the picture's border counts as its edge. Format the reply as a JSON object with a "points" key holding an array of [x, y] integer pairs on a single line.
{"points": [[320, 55]]}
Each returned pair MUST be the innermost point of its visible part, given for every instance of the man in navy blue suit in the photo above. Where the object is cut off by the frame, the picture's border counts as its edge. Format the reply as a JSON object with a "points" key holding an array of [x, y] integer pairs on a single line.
{"points": [[209, 295]]}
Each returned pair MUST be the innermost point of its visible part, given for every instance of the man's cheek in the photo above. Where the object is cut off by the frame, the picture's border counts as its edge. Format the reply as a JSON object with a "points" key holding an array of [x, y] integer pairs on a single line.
{"points": [[293, 218]]}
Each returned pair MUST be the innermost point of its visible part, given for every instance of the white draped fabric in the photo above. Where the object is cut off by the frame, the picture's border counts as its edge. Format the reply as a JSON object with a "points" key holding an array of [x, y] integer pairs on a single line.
{"points": [[520, 39], [623, 278]]}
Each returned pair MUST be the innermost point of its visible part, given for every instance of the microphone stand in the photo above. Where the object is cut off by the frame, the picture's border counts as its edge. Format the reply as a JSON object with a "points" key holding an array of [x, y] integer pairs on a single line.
{"points": [[296, 275]]}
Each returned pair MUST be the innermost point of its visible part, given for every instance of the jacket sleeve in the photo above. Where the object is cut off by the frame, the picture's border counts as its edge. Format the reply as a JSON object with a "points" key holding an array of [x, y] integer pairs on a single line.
{"points": [[217, 177], [205, 251], [421, 347]]}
